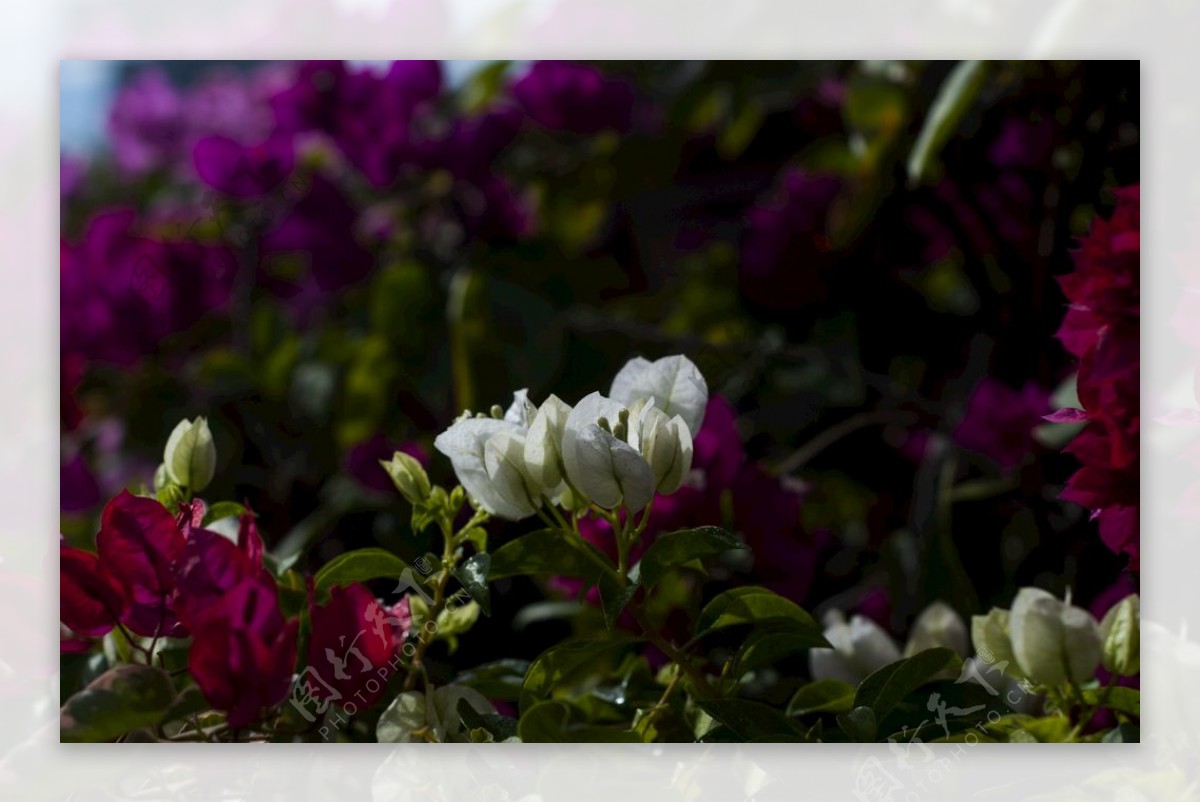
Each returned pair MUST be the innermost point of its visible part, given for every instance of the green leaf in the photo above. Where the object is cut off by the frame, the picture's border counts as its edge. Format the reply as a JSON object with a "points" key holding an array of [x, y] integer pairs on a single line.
{"points": [[222, 510], [473, 574], [886, 687], [542, 552], [683, 546], [1126, 732], [859, 723], [955, 98], [614, 598], [755, 605], [748, 719], [497, 680], [497, 726], [822, 696], [767, 646], [189, 701], [550, 722], [563, 661], [121, 700], [1118, 698], [357, 566]]}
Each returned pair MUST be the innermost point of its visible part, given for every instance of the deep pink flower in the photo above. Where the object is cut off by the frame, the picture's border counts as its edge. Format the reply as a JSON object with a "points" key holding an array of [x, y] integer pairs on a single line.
{"points": [[321, 232], [243, 651], [91, 601], [1101, 328], [370, 116], [352, 642], [128, 292], [240, 170], [209, 567], [999, 421], [139, 544], [569, 96]]}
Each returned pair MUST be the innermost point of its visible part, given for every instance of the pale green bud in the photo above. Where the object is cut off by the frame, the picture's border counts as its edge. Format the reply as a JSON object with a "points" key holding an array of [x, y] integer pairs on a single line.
{"points": [[190, 456], [937, 626], [1053, 642], [409, 476], [161, 478], [1121, 632], [992, 642]]}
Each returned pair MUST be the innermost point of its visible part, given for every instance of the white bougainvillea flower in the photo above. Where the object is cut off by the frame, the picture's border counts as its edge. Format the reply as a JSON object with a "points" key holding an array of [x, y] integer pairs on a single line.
{"points": [[859, 648], [938, 625], [666, 444], [543, 442], [675, 383], [488, 458], [1054, 642], [522, 410], [599, 459]]}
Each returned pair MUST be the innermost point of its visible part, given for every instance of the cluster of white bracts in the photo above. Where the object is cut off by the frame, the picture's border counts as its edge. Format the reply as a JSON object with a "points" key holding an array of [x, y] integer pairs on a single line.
{"points": [[613, 451]]}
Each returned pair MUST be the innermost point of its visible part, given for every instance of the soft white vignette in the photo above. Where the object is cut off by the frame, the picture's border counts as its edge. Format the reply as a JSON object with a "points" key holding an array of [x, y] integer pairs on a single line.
{"points": [[36, 35]]}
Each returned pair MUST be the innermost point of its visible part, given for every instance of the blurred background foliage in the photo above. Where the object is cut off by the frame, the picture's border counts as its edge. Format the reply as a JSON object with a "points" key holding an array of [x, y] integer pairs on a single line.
{"points": [[860, 256]]}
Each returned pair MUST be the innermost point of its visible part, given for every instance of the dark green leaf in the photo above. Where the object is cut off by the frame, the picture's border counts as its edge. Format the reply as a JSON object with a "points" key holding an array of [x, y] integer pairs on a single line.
{"points": [[748, 719], [955, 98], [222, 510], [755, 605], [858, 723], [497, 680], [1126, 732], [189, 701], [614, 598], [563, 661], [670, 550], [473, 574], [1118, 698], [886, 687], [767, 646], [121, 700], [540, 553], [822, 696], [499, 726], [550, 722], [358, 566]]}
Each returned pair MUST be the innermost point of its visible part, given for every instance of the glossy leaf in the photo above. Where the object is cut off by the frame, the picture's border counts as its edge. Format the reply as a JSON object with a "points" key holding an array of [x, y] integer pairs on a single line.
{"points": [[541, 552], [886, 687], [822, 696], [955, 98], [357, 566], [473, 574], [755, 605], [749, 719], [671, 550], [121, 700], [563, 661], [550, 722]]}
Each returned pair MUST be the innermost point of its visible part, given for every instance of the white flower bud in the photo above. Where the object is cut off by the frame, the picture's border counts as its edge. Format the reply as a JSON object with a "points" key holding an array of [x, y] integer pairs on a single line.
{"points": [[859, 648], [190, 455], [990, 634], [543, 443], [938, 625], [666, 443], [409, 476]]}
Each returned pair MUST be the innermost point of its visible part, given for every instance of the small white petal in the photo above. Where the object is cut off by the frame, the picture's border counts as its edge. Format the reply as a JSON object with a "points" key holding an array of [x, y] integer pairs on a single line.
{"points": [[543, 443], [675, 382], [464, 443]]}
